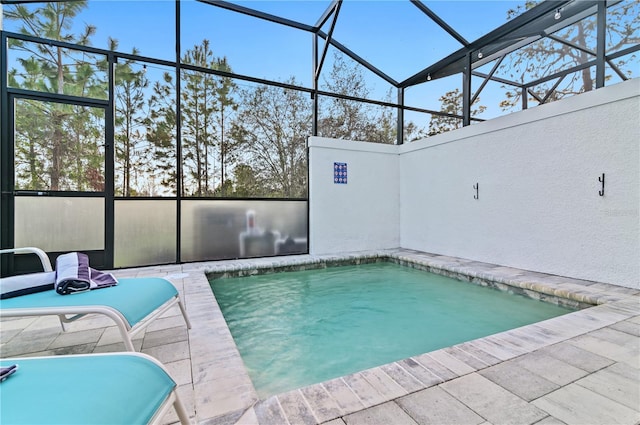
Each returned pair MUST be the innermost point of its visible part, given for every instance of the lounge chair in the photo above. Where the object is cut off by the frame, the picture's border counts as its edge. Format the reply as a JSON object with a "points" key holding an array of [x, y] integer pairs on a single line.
{"points": [[114, 388], [132, 304]]}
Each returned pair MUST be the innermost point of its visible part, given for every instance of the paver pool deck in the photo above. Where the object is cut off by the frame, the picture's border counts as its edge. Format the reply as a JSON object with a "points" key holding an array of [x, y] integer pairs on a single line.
{"points": [[579, 368]]}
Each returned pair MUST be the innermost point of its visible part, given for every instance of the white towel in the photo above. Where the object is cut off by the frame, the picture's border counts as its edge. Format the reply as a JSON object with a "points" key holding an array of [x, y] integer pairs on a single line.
{"points": [[73, 274]]}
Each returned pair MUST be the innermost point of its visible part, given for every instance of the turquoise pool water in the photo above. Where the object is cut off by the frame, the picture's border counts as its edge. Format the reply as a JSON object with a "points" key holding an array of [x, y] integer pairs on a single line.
{"points": [[299, 328]]}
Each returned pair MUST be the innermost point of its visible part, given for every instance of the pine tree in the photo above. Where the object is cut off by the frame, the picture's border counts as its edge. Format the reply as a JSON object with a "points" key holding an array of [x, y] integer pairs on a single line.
{"points": [[70, 149], [161, 128], [131, 101]]}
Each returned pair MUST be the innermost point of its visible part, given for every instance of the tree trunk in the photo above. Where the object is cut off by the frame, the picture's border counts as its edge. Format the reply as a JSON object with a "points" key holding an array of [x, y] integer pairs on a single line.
{"points": [[587, 81]]}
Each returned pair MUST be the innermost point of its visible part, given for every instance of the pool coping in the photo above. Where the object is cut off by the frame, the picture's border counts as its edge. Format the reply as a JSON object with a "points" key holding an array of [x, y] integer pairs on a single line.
{"points": [[224, 392]]}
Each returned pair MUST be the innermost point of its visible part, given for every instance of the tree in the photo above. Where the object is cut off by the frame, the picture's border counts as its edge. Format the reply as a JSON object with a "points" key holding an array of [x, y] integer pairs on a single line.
{"points": [[355, 120], [349, 119], [272, 127], [207, 101], [71, 155], [197, 101], [130, 100], [451, 105], [160, 127], [30, 128], [384, 127], [413, 132], [225, 104], [341, 118], [547, 56], [247, 182]]}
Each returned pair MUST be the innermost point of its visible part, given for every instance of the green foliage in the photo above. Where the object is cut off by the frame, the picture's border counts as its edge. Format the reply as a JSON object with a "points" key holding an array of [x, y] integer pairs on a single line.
{"points": [[131, 154], [247, 184], [65, 152], [452, 106], [348, 119], [161, 127], [207, 103], [271, 128]]}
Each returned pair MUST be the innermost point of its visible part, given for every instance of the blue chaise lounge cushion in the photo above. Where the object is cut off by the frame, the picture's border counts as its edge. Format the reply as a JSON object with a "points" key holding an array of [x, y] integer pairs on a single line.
{"points": [[92, 389], [135, 298]]}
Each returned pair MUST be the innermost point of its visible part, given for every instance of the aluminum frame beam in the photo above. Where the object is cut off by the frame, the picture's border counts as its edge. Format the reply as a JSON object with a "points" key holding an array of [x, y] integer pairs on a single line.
{"points": [[336, 12], [441, 23], [534, 21], [327, 13], [359, 59], [261, 15]]}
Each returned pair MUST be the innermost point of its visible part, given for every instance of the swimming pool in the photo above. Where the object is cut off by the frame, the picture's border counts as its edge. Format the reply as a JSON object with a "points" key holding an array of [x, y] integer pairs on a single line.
{"points": [[298, 328]]}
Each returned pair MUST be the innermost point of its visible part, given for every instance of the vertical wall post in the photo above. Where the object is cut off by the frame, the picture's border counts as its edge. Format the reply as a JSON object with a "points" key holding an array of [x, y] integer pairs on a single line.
{"points": [[315, 76], [178, 139], [466, 92], [109, 168], [601, 43], [400, 125], [6, 161]]}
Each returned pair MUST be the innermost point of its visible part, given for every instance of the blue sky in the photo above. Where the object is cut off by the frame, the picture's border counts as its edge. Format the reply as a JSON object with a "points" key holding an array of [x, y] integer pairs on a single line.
{"points": [[393, 35]]}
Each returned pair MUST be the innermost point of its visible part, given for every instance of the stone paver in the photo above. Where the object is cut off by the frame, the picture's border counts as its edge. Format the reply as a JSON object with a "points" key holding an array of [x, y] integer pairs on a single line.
{"points": [[366, 392], [296, 408], [576, 357], [481, 355], [269, 411], [383, 414], [436, 406], [383, 383], [581, 368], [430, 362], [426, 378], [343, 395], [165, 336], [550, 368], [520, 381], [402, 377], [627, 326], [457, 367], [574, 404], [90, 336], [618, 382], [491, 401], [610, 350], [323, 406]]}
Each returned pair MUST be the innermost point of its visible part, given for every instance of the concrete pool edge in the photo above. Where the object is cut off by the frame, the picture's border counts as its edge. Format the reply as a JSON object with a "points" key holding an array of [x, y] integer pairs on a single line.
{"points": [[226, 395], [561, 290]]}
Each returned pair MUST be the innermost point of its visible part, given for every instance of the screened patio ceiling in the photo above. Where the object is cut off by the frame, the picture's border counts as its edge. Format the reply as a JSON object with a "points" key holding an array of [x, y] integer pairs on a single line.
{"points": [[408, 43], [348, 26], [402, 45]]}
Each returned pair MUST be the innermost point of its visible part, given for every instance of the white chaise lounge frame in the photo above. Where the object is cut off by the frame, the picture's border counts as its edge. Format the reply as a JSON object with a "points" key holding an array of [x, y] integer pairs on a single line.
{"points": [[68, 314]]}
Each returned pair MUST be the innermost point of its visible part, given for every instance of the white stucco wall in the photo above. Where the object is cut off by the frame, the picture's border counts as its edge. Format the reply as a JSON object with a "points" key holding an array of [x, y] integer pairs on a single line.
{"points": [[538, 206], [361, 215]]}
